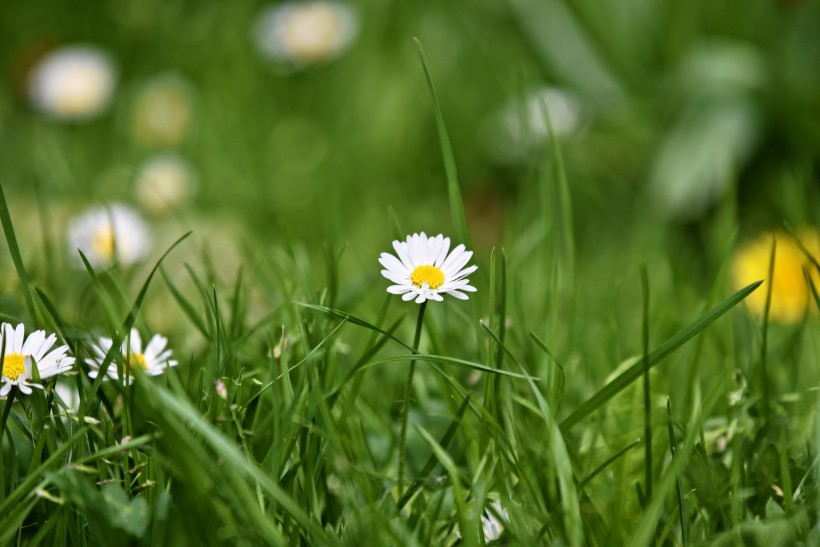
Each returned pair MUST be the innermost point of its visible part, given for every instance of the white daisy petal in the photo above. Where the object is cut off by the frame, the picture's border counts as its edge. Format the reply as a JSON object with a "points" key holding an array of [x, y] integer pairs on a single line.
{"points": [[454, 255], [392, 263], [442, 254], [398, 289], [403, 253], [458, 294], [408, 296], [465, 272], [458, 263]]}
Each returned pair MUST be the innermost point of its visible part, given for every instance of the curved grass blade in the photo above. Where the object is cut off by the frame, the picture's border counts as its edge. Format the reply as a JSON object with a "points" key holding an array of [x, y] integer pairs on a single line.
{"points": [[8, 231], [433, 461], [234, 457], [453, 190], [612, 459], [448, 361], [673, 449], [352, 319], [634, 372]]}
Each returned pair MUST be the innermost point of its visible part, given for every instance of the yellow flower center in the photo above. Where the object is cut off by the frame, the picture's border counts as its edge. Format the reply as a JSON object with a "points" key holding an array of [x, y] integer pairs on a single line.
{"points": [[431, 275], [14, 366], [103, 243], [137, 360]]}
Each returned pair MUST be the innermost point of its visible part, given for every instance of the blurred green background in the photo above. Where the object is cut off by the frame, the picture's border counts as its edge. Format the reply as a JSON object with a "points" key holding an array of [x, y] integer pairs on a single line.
{"points": [[681, 125]]}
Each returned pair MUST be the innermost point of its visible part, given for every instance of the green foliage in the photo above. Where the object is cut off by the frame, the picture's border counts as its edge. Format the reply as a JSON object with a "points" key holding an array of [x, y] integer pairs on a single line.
{"points": [[560, 400]]}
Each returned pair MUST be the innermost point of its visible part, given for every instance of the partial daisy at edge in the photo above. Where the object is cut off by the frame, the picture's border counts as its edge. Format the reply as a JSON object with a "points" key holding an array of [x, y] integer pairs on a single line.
{"points": [[21, 354], [423, 270], [153, 360]]}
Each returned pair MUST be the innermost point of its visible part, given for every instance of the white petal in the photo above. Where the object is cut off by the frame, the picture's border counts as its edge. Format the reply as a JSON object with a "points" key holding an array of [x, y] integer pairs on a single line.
{"points": [[434, 248], [403, 252], [421, 298], [392, 263], [24, 388], [33, 342], [156, 345], [408, 296], [458, 294], [398, 289], [435, 296], [442, 253], [457, 264], [5, 389], [464, 273], [454, 255], [135, 341], [396, 278], [19, 336]]}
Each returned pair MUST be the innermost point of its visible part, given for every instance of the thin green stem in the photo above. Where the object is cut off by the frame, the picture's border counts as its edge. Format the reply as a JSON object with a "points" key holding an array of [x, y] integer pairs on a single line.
{"points": [[647, 396], [3, 420], [408, 394]]}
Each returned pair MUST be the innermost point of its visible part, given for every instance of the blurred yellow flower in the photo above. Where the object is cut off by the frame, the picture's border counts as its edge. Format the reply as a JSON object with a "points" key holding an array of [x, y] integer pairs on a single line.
{"points": [[163, 111], [163, 183], [791, 294]]}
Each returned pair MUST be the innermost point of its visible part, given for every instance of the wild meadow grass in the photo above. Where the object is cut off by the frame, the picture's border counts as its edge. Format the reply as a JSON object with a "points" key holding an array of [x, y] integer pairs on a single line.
{"points": [[290, 419], [617, 378]]}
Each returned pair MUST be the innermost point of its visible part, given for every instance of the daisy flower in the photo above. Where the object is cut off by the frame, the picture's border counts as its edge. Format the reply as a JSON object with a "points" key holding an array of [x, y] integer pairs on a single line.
{"points": [[491, 525], [72, 83], [163, 183], [424, 271], [153, 361], [20, 352], [113, 233], [791, 294], [303, 33]]}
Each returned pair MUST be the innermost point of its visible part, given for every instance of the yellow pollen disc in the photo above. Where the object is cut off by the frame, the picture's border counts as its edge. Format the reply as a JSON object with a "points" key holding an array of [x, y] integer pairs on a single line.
{"points": [[431, 275], [103, 243], [14, 366], [137, 360]]}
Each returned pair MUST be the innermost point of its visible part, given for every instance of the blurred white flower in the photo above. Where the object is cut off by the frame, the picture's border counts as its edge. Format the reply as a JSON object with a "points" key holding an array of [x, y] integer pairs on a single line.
{"points": [[112, 233], [522, 123], [162, 111], [68, 394], [303, 33], [424, 271], [153, 361], [163, 183], [72, 83], [491, 525], [19, 352]]}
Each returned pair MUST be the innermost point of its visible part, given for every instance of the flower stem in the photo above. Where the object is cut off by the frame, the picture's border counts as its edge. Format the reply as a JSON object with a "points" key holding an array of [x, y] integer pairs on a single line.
{"points": [[3, 420], [408, 394]]}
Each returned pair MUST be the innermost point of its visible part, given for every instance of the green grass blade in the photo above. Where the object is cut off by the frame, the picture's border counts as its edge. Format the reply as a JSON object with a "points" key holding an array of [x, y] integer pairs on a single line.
{"points": [[448, 361], [11, 240], [232, 455], [673, 449], [647, 394], [634, 372], [453, 190], [609, 461], [354, 320]]}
